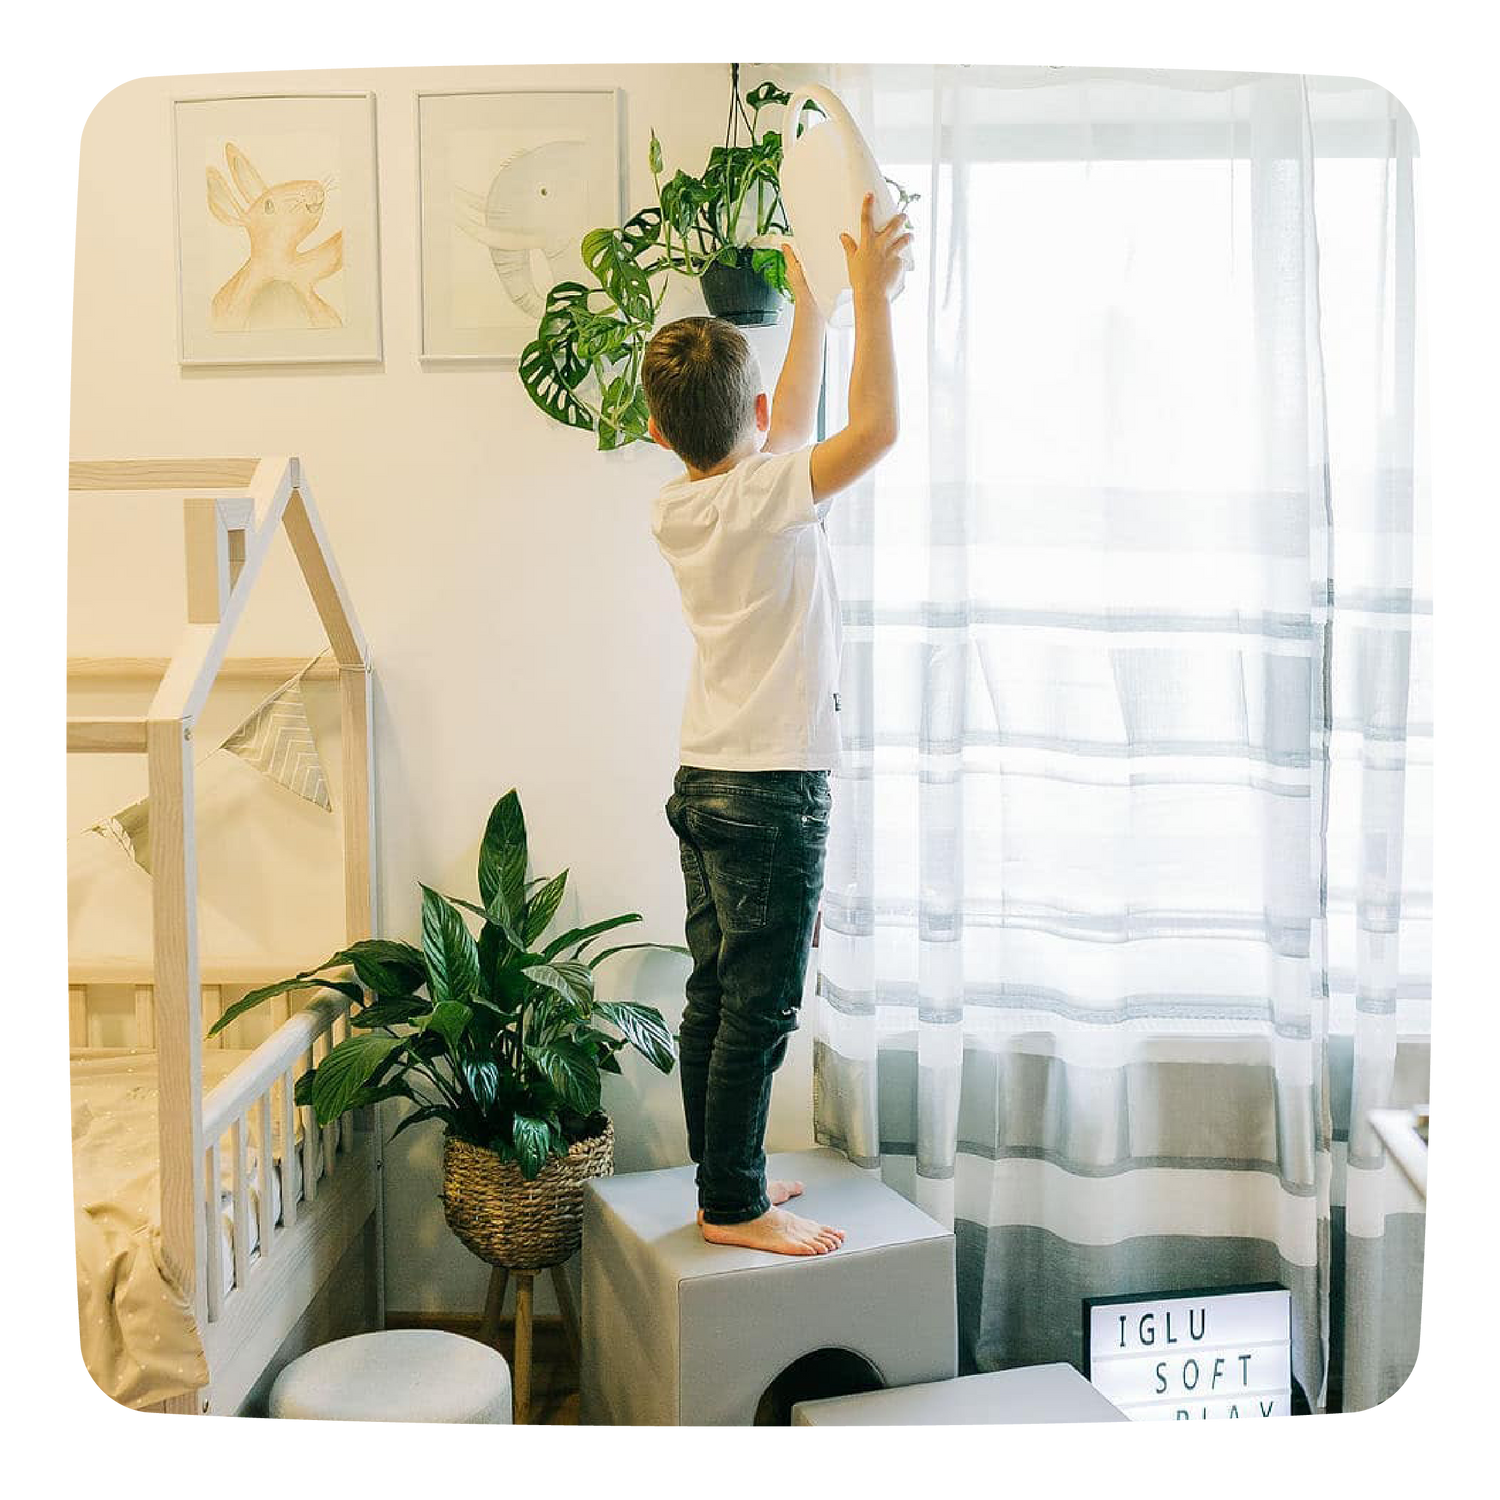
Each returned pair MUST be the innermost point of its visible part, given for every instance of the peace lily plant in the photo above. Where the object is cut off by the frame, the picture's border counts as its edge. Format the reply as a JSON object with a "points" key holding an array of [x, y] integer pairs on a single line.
{"points": [[501, 1037]]}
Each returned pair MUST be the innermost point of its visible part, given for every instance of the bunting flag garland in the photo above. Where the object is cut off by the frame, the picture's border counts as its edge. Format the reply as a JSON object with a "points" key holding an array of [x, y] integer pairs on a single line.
{"points": [[277, 739], [130, 828]]}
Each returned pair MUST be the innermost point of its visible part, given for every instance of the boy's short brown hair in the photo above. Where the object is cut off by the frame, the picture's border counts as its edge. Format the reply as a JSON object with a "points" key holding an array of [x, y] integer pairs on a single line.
{"points": [[701, 380]]}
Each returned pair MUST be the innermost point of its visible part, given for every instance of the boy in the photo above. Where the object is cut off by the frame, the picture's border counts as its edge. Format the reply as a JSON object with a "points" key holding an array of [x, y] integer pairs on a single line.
{"points": [[750, 803]]}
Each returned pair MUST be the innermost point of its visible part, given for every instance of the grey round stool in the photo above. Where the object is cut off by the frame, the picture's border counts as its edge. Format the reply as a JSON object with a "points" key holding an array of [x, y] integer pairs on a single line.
{"points": [[401, 1375]]}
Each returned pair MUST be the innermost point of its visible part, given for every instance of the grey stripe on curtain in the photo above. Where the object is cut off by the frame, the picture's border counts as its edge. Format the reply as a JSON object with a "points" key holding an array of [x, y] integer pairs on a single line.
{"points": [[1127, 909]]}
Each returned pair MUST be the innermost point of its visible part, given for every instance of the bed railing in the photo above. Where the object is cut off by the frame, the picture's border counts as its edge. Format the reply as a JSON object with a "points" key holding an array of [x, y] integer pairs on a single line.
{"points": [[252, 1111], [249, 1106], [234, 510]]}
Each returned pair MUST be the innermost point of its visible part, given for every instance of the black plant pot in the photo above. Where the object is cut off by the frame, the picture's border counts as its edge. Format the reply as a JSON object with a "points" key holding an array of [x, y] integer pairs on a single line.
{"points": [[739, 294]]}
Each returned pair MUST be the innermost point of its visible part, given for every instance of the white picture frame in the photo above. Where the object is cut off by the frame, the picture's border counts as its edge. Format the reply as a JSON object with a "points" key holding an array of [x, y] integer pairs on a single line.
{"points": [[243, 162], [481, 286]]}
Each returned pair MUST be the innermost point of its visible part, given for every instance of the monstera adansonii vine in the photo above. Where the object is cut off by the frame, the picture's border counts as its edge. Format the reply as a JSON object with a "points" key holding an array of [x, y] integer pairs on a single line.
{"points": [[583, 368]]}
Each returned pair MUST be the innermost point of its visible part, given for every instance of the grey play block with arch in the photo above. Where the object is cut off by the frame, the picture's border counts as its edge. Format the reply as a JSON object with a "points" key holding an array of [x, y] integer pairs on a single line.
{"points": [[680, 1332], [1038, 1393]]}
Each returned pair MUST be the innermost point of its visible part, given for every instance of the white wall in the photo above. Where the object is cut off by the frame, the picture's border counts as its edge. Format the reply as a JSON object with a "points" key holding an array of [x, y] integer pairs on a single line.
{"points": [[524, 629]]}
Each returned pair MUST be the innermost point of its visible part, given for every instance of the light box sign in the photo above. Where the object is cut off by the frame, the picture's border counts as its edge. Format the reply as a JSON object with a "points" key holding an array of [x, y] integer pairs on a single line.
{"points": [[1189, 1356]]}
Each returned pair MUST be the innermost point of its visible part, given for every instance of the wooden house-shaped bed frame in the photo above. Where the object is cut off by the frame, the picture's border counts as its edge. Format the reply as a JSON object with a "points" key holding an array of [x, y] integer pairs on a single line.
{"points": [[232, 513]]}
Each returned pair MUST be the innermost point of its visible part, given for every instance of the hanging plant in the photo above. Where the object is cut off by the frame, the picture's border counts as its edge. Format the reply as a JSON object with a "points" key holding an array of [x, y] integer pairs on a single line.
{"points": [[723, 228]]}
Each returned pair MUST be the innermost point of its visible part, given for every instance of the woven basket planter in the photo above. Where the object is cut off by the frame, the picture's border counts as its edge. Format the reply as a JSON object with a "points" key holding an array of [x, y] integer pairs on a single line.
{"points": [[510, 1222]]}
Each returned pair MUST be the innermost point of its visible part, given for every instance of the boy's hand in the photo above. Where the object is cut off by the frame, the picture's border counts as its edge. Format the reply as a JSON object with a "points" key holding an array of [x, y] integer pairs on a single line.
{"points": [[874, 414], [801, 295], [794, 408], [875, 262]]}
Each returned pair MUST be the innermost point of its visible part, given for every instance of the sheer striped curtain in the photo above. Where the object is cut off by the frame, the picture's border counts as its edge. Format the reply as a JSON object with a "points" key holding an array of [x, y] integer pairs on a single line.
{"points": [[1126, 919]]}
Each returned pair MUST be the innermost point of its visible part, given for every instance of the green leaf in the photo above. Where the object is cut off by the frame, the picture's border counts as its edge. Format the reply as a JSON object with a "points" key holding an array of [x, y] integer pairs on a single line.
{"points": [[512, 987], [506, 1013], [599, 958], [543, 907], [608, 254], [448, 1018], [681, 200], [482, 912], [502, 856], [725, 170], [560, 314], [338, 959], [389, 1010], [770, 265], [282, 987], [494, 949], [550, 371], [481, 1076], [383, 951], [426, 1045], [653, 155], [302, 1089], [482, 1036], [532, 1139], [343, 1073], [585, 935], [769, 93], [498, 924], [397, 1065], [643, 1027], [426, 1112], [903, 198], [570, 1070], [623, 415], [642, 230], [567, 978], [809, 106], [386, 966], [489, 1140], [600, 338], [452, 958], [637, 420]]}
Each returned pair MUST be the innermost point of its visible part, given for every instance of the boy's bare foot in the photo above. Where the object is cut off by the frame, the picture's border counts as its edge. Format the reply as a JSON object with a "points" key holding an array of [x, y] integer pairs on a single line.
{"points": [[778, 1231], [778, 1190]]}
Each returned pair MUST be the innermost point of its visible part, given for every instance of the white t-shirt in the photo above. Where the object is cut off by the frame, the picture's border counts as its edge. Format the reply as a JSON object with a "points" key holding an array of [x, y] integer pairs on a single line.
{"points": [[753, 567]]}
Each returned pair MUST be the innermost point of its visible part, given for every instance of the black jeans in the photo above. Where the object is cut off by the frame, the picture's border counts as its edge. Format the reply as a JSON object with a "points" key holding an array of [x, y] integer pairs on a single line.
{"points": [[752, 846]]}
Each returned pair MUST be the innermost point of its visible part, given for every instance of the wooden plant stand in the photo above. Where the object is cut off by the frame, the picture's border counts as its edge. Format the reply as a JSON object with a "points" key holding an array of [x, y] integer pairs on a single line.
{"points": [[489, 1328]]}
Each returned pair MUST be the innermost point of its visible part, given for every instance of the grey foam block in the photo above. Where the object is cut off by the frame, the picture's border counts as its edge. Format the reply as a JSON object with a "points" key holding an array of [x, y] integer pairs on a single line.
{"points": [[678, 1331], [1040, 1393]]}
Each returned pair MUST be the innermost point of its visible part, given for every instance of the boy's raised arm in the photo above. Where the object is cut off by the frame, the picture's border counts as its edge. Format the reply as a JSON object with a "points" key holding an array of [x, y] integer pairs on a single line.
{"points": [[794, 407], [874, 265]]}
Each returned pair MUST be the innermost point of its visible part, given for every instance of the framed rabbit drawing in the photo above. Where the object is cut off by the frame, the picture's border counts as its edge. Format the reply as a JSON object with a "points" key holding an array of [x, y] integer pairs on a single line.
{"points": [[278, 254]]}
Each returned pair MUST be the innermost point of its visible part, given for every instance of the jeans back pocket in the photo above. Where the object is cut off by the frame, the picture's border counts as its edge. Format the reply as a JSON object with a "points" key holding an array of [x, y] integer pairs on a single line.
{"points": [[739, 858]]}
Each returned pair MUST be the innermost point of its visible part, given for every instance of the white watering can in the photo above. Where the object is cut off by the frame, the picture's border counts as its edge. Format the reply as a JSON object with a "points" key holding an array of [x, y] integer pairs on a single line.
{"points": [[825, 173]]}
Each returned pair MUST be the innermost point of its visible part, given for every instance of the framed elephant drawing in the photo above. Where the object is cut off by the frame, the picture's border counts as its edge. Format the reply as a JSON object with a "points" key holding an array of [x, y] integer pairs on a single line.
{"points": [[278, 253], [508, 185]]}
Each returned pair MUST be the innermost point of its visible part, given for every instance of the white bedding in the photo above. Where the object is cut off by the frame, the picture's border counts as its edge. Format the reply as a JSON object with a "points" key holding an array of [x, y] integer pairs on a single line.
{"points": [[140, 1341]]}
